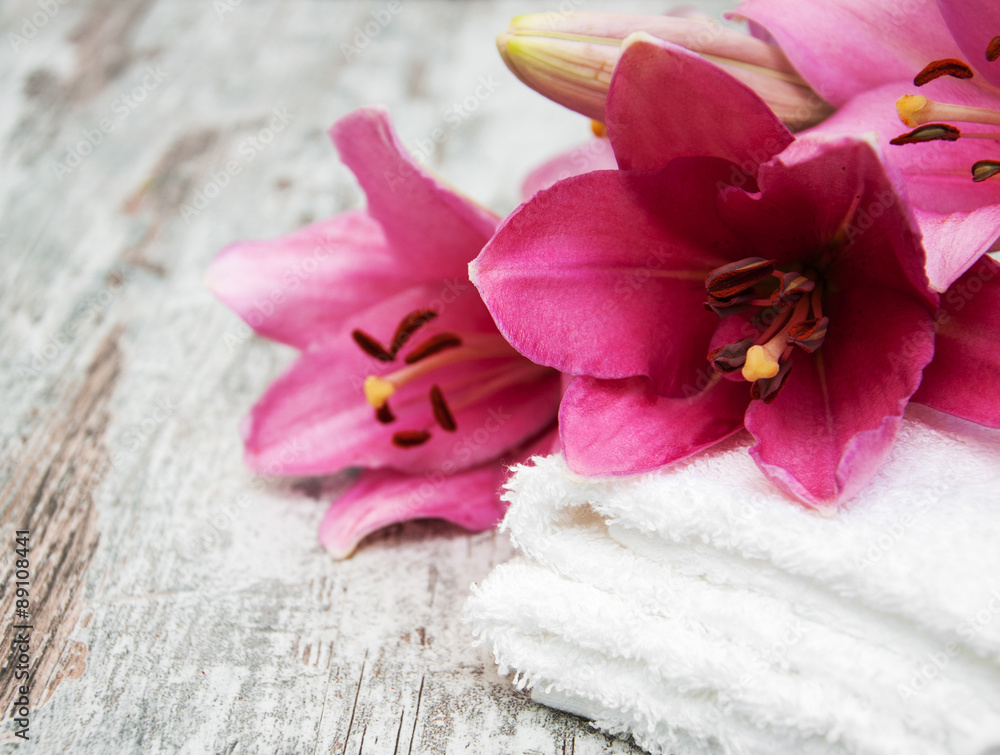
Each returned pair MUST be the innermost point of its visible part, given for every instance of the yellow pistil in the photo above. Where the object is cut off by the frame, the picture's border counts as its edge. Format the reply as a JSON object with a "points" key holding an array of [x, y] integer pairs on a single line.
{"points": [[908, 106], [916, 110], [378, 390], [760, 364]]}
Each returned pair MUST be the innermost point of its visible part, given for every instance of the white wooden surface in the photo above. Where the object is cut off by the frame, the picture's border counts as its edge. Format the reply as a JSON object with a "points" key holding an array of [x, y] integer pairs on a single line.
{"points": [[179, 603]]}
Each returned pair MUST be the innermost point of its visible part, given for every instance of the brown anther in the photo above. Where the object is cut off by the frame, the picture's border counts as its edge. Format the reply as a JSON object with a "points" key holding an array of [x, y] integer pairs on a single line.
{"points": [[730, 357], [408, 326], [985, 169], [791, 286], [809, 334], [733, 306], [384, 414], [370, 346], [930, 132], [433, 345], [410, 438], [441, 411], [767, 389], [945, 67], [726, 282], [993, 49]]}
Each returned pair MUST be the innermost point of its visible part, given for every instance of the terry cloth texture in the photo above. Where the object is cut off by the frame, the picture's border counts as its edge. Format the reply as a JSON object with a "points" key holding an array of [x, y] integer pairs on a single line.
{"points": [[699, 610]]}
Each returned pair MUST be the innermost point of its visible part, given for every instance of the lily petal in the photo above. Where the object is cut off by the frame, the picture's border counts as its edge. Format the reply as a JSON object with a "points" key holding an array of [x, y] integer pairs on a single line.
{"points": [[470, 499], [954, 242], [974, 24], [656, 80], [833, 424], [845, 47], [596, 154], [382, 497], [964, 378], [296, 288], [588, 275], [428, 223], [622, 426]]}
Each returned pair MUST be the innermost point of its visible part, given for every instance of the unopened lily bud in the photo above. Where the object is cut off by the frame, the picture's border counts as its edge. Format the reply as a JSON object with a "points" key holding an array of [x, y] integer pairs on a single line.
{"points": [[569, 58]]}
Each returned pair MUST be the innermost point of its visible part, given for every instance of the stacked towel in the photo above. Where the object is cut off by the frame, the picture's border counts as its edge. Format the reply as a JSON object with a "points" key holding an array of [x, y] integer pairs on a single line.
{"points": [[699, 610]]}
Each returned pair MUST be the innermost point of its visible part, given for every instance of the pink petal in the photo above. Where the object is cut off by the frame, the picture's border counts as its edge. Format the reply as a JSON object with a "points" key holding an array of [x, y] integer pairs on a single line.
{"points": [[297, 288], [382, 497], [379, 498], [667, 102], [603, 274], [833, 424], [314, 419], [954, 242], [845, 47], [428, 224], [964, 378], [621, 426], [596, 154], [974, 23]]}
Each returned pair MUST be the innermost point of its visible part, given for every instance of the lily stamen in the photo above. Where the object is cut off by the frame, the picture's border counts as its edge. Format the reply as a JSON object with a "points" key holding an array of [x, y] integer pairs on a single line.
{"points": [[505, 377]]}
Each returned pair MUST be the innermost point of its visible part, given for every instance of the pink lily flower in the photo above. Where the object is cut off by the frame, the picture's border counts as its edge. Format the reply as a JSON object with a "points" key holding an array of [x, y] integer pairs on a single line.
{"points": [[868, 57], [402, 370], [729, 275]]}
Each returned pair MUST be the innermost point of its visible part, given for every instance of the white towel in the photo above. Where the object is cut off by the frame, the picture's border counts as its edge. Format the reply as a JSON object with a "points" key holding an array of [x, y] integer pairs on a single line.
{"points": [[701, 611]]}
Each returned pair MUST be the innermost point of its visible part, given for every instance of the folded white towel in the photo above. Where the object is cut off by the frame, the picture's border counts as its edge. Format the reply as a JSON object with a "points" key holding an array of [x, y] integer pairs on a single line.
{"points": [[701, 611]]}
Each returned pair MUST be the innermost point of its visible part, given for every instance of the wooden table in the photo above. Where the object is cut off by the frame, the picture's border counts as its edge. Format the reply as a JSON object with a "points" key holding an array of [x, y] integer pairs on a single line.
{"points": [[177, 602]]}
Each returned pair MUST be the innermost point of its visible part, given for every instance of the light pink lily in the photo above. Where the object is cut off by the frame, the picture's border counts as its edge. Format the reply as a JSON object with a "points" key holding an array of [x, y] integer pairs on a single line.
{"points": [[402, 370], [865, 57], [802, 247]]}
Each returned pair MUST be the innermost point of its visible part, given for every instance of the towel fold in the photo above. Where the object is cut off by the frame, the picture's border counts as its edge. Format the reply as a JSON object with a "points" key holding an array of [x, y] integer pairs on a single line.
{"points": [[700, 611]]}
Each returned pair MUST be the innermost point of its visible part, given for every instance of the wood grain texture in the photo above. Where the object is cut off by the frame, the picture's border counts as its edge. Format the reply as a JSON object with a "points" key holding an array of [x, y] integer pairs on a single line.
{"points": [[182, 605]]}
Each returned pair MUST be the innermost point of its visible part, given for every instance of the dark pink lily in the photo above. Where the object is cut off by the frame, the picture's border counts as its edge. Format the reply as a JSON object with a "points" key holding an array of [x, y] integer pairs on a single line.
{"points": [[931, 63], [402, 370], [729, 275]]}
